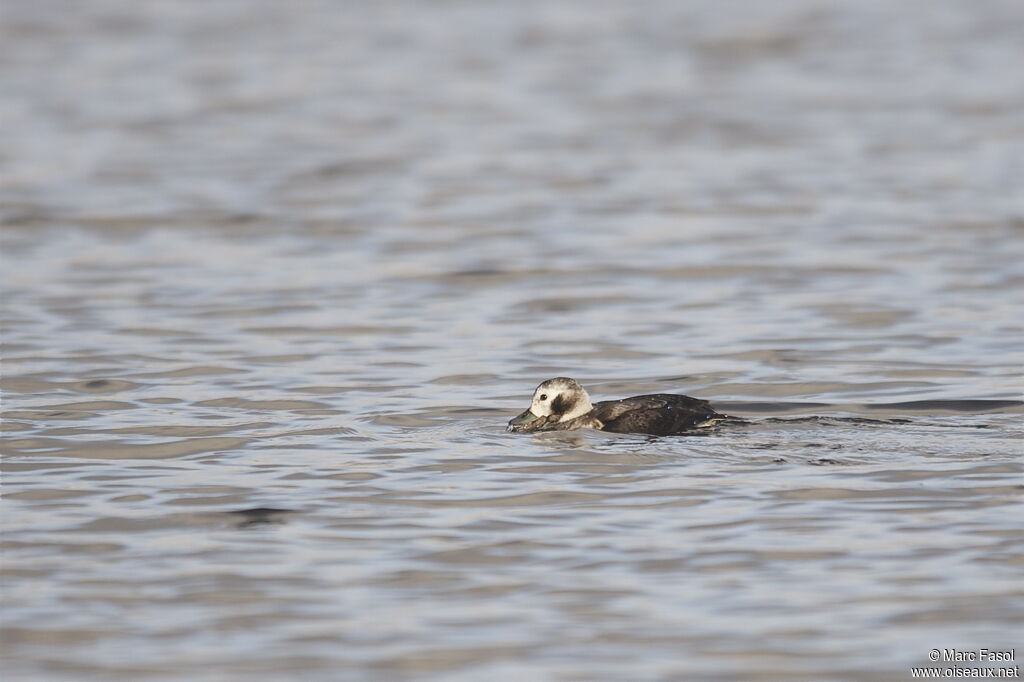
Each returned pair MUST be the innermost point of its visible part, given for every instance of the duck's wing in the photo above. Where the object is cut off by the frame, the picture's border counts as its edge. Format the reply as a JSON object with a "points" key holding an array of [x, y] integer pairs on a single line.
{"points": [[659, 414]]}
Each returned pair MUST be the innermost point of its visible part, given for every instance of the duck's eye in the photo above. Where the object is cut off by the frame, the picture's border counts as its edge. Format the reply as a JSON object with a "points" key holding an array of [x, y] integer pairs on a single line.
{"points": [[543, 396]]}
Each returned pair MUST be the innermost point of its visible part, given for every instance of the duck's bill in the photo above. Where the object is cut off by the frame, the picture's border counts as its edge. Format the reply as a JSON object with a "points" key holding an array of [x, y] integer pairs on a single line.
{"points": [[527, 421]]}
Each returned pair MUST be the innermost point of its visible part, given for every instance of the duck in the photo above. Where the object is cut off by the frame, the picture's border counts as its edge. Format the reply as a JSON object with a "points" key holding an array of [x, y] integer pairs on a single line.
{"points": [[562, 404]]}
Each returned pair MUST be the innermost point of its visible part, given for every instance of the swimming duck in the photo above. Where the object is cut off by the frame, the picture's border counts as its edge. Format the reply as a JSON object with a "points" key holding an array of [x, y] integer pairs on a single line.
{"points": [[561, 404]]}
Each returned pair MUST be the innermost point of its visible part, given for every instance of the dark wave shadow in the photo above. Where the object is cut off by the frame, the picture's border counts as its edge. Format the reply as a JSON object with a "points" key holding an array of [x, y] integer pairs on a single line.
{"points": [[937, 407], [260, 516]]}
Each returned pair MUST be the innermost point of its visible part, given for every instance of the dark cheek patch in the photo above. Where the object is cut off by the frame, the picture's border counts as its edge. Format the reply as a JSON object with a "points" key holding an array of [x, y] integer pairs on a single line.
{"points": [[559, 405]]}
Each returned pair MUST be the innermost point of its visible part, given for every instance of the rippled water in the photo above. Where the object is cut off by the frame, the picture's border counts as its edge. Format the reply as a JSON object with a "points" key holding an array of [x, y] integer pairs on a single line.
{"points": [[308, 258]]}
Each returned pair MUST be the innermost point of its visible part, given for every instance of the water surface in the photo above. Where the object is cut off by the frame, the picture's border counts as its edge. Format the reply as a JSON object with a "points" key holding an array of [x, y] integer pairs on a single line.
{"points": [[312, 257]]}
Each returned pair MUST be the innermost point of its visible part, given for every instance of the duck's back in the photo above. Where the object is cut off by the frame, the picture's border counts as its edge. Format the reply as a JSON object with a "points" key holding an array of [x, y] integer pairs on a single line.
{"points": [[660, 414]]}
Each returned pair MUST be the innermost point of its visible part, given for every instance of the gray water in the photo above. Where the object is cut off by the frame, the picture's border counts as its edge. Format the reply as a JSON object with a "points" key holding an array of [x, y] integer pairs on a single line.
{"points": [[312, 256]]}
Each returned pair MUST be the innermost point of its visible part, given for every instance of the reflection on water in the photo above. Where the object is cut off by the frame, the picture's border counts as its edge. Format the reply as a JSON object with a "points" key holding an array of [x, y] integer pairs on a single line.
{"points": [[277, 275]]}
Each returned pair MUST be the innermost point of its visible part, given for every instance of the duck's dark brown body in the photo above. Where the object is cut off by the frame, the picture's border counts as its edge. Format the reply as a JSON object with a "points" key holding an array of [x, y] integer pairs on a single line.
{"points": [[660, 414]]}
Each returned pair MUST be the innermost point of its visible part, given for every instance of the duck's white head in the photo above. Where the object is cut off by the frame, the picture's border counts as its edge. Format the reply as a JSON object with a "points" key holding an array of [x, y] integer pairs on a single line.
{"points": [[556, 400]]}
